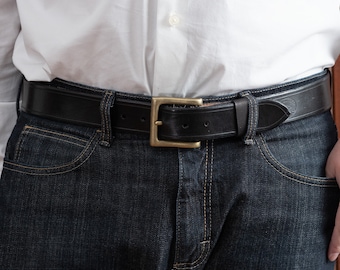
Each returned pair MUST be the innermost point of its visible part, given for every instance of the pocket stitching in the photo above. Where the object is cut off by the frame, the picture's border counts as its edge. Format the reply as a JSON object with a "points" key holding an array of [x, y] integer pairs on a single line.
{"points": [[53, 170], [286, 172], [54, 138], [29, 129], [17, 153]]}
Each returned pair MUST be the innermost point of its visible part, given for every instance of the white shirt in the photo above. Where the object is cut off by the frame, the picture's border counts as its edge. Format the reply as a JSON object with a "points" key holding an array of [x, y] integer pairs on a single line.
{"points": [[163, 47]]}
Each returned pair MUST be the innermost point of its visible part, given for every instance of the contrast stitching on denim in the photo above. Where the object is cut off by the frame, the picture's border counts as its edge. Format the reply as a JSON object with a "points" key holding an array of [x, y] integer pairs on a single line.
{"points": [[58, 167], [178, 225], [199, 261], [53, 132], [211, 184], [88, 150], [18, 147], [54, 138], [286, 172], [252, 120], [207, 206], [249, 135], [208, 195], [27, 130], [205, 189], [105, 118]]}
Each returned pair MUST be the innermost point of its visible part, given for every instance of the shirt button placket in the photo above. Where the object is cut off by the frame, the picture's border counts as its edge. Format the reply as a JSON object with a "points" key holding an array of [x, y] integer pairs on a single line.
{"points": [[171, 48]]}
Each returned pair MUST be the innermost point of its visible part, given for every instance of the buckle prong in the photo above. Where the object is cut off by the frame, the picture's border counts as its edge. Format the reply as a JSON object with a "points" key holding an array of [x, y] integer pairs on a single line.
{"points": [[156, 102]]}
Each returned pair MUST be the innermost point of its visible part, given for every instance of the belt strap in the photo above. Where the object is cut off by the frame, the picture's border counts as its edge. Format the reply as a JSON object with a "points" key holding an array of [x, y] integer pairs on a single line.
{"points": [[217, 117]]}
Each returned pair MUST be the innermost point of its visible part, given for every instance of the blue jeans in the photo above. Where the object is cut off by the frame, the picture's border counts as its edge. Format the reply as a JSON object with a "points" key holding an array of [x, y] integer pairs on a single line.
{"points": [[70, 201]]}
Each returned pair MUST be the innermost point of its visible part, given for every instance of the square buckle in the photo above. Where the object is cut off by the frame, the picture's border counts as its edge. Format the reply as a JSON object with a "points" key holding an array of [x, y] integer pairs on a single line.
{"points": [[156, 102]]}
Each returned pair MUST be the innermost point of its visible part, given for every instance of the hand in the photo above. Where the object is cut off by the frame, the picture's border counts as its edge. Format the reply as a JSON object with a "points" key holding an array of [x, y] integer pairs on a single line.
{"points": [[333, 170]]}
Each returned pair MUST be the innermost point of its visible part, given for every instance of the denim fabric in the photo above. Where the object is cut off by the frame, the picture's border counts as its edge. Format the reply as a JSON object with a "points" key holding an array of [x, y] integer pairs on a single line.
{"points": [[70, 201]]}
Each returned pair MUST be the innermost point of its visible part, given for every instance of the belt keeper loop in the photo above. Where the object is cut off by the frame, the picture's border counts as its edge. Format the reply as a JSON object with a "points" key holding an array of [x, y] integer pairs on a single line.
{"points": [[105, 112], [241, 112], [253, 117]]}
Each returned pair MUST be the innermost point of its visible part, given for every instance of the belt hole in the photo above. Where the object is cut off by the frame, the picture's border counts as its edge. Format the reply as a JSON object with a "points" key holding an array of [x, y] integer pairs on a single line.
{"points": [[123, 116], [143, 119], [185, 126], [206, 124]]}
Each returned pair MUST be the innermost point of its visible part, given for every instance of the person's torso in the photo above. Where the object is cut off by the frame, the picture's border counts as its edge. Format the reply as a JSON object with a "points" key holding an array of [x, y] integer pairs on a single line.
{"points": [[178, 47]]}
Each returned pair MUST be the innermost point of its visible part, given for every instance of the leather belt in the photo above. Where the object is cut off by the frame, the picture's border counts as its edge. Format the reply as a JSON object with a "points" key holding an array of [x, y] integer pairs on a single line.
{"points": [[179, 122]]}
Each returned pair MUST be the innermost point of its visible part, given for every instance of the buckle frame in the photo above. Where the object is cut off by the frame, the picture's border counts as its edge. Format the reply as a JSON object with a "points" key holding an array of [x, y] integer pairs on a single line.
{"points": [[156, 102]]}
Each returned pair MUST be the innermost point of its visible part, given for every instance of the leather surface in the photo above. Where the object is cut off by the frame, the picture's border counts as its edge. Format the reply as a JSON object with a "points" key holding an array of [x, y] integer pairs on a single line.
{"points": [[73, 103]]}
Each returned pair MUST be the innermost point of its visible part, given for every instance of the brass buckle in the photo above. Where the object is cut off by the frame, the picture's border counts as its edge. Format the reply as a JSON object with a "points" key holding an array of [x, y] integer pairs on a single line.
{"points": [[156, 102]]}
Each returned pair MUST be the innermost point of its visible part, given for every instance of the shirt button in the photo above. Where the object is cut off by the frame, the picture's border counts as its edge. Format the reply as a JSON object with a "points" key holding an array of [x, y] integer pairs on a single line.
{"points": [[174, 20]]}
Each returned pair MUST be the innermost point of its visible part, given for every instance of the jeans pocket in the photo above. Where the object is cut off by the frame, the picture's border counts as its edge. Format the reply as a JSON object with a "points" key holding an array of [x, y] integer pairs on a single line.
{"points": [[299, 150], [40, 146]]}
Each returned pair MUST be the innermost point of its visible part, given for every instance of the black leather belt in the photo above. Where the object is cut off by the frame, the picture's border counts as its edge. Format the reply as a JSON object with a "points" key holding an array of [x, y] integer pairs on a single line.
{"points": [[178, 122]]}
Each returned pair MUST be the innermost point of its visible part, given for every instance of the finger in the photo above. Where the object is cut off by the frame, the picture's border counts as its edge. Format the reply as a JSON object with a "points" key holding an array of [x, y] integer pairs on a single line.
{"points": [[334, 246]]}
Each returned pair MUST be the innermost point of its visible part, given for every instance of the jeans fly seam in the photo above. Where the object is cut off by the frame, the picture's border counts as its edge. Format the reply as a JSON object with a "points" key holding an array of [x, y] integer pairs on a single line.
{"points": [[210, 187], [178, 225], [52, 170], [207, 206], [205, 189], [289, 173], [198, 261], [207, 194]]}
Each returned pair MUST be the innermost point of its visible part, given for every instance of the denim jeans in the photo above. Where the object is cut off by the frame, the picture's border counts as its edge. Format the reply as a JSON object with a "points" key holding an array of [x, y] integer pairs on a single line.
{"points": [[69, 201]]}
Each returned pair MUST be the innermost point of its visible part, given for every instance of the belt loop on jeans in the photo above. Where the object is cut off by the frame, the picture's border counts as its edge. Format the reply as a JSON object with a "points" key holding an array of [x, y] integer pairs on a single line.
{"points": [[105, 111], [253, 117]]}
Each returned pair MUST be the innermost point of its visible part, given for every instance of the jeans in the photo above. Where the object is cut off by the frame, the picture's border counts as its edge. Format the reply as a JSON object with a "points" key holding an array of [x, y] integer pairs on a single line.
{"points": [[69, 201]]}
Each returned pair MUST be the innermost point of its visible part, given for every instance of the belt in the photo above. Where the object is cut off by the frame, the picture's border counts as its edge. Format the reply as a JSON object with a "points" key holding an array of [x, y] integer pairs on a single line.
{"points": [[179, 122]]}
